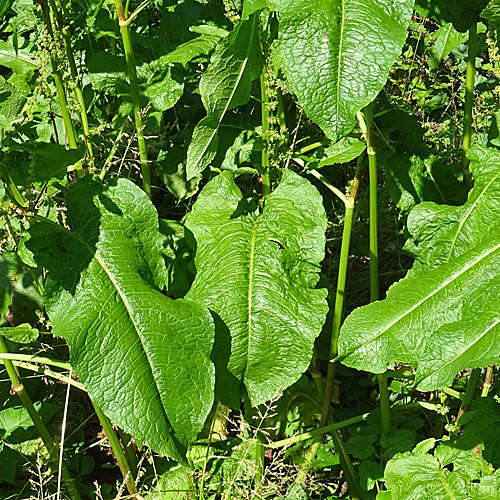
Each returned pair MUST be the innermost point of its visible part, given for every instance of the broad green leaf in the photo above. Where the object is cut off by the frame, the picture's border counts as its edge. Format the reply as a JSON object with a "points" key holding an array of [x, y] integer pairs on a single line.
{"points": [[442, 232], [250, 6], [226, 84], [143, 357], [450, 473], [257, 272], [462, 13], [11, 102], [20, 61], [188, 51], [447, 38], [336, 55], [23, 333], [443, 323]]}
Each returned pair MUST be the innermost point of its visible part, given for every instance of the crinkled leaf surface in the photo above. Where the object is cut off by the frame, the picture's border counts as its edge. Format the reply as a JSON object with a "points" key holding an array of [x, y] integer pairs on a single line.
{"points": [[443, 323], [420, 475], [336, 55], [257, 272], [226, 84], [23, 333], [442, 232], [143, 357]]}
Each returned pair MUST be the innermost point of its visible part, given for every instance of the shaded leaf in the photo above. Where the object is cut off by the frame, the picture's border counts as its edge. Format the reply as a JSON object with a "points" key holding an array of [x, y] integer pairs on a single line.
{"points": [[257, 272], [131, 346], [447, 38], [226, 84]]}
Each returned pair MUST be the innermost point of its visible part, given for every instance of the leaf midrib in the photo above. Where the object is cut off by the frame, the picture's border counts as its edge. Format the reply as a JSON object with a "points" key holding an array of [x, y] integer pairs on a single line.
{"points": [[95, 256], [342, 14], [468, 213], [250, 286], [427, 297], [226, 107]]}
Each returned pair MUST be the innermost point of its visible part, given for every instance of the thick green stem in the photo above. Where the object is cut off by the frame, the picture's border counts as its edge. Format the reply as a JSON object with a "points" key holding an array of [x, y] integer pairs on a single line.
{"points": [[344, 458], [385, 410], [469, 101], [470, 392], [259, 459], [266, 178], [76, 86], [126, 440], [136, 96], [37, 421], [114, 442], [56, 73]]}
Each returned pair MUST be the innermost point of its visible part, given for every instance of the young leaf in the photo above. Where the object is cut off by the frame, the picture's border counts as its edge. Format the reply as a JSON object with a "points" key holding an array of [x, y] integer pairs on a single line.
{"points": [[443, 323], [143, 357], [226, 84], [447, 38], [257, 272], [336, 55], [442, 232]]}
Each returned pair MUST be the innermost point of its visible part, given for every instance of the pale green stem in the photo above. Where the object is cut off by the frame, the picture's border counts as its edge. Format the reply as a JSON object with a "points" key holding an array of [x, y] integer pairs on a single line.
{"points": [[129, 451], [345, 460], [336, 191], [121, 459], [136, 96], [385, 410], [77, 88], [61, 92], [259, 459], [37, 421], [469, 101], [266, 179], [112, 153], [488, 376], [312, 147]]}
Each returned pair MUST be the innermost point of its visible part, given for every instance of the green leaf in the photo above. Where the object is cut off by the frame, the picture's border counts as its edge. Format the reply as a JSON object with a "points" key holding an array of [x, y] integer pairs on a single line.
{"points": [[447, 38], [443, 323], [369, 473], [11, 102], [20, 61], [419, 475], [23, 334], [226, 84], [461, 13], [345, 150], [492, 11], [336, 55], [143, 357], [257, 272], [191, 49], [442, 232]]}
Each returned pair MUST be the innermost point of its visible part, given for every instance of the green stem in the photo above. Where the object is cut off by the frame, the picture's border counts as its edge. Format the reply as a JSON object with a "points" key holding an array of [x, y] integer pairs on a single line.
{"points": [[77, 88], [312, 147], [259, 459], [344, 458], [470, 392], [488, 377], [136, 96], [37, 421], [46, 372], [385, 410], [336, 191], [112, 152], [126, 440], [469, 101], [121, 459], [34, 359], [61, 92], [266, 179]]}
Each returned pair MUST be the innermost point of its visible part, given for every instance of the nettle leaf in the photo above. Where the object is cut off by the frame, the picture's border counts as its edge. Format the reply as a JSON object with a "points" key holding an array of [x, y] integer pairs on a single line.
{"points": [[443, 323], [442, 232], [143, 357], [257, 272], [336, 55], [447, 38], [226, 84]]}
